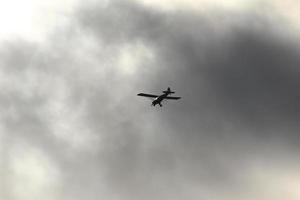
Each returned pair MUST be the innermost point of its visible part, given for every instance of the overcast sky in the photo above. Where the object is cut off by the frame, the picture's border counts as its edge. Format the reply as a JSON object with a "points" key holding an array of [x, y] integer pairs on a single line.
{"points": [[72, 127]]}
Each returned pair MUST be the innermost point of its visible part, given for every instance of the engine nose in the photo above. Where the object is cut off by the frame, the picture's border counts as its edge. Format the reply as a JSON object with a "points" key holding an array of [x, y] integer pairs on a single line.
{"points": [[153, 103]]}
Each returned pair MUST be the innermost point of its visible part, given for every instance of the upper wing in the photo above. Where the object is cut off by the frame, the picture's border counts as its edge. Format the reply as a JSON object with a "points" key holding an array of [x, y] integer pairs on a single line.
{"points": [[147, 95], [175, 98]]}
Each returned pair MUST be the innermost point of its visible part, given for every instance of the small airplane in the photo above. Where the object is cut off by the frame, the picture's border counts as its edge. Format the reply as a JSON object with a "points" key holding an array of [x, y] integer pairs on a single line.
{"points": [[159, 98]]}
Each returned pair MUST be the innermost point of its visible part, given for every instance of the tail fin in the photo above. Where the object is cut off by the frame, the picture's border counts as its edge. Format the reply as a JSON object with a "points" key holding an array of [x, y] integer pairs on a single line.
{"points": [[168, 91]]}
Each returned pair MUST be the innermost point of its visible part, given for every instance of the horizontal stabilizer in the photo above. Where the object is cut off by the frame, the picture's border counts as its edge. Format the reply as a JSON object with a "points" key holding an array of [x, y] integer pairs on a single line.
{"points": [[168, 91]]}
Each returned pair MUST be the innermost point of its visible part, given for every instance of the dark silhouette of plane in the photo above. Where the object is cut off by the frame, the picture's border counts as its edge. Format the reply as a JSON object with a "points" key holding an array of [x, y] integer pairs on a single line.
{"points": [[159, 98]]}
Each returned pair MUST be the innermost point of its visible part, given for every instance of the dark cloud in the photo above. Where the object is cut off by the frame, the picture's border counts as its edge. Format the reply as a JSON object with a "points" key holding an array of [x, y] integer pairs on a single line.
{"points": [[237, 74], [239, 89]]}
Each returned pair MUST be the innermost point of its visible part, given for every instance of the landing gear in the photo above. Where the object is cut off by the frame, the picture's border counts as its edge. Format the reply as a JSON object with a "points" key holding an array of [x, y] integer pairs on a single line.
{"points": [[156, 102]]}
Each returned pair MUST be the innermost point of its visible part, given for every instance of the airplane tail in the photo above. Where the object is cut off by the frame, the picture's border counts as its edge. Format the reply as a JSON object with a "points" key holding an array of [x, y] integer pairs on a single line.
{"points": [[168, 91]]}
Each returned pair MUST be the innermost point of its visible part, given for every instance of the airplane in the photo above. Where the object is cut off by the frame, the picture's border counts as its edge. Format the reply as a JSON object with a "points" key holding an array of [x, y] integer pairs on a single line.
{"points": [[159, 98]]}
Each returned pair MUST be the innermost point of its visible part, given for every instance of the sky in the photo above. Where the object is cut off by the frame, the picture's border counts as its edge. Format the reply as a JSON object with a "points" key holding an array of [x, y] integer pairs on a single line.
{"points": [[73, 128]]}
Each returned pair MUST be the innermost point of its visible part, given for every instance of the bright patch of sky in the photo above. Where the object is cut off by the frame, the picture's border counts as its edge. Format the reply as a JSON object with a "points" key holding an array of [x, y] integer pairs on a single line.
{"points": [[33, 20]]}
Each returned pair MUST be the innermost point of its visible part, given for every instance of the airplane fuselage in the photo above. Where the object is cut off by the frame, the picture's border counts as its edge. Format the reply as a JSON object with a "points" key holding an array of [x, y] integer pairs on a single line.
{"points": [[159, 99]]}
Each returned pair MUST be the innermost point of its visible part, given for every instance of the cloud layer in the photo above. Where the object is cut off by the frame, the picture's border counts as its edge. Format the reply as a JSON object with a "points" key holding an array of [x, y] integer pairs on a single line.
{"points": [[72, 126]]}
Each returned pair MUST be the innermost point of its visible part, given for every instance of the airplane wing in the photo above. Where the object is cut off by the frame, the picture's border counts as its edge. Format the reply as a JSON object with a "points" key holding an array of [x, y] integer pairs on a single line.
{"points": [[147, 95], [175, 98]]}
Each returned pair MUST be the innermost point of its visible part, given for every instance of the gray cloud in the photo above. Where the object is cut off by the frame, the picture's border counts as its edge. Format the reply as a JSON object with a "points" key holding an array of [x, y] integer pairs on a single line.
{"points": [[72, 101]]}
